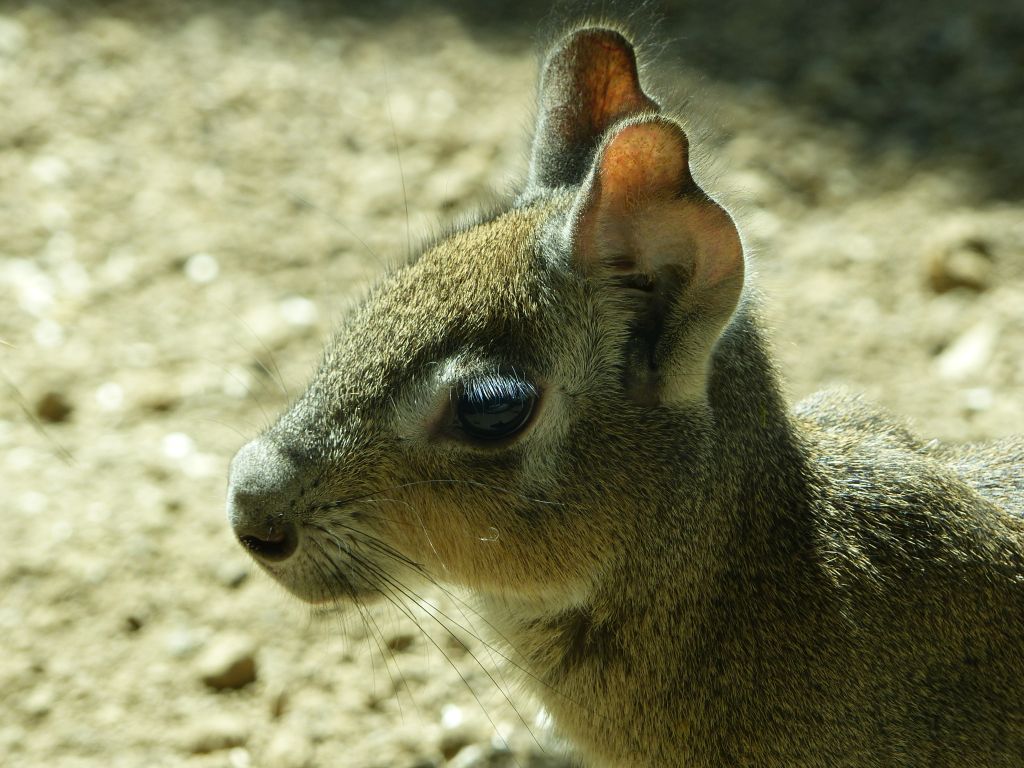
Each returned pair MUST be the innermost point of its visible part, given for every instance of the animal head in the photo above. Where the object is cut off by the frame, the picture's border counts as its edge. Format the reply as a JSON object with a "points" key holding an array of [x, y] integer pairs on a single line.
{"points": [[507, 410]]}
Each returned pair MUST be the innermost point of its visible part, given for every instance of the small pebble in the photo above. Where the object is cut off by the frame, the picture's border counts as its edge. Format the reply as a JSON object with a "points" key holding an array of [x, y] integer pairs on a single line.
{"points": [[48, 334], [228, 662], [53, 407], [278, 700], [233, 573], [11, 736], [473, 756], [215, 733], [182, 641], [159, 401], [238, 382], [298, 311], [39, 703], [202, 268], [451, 716], [49, 170], [978, 399], [12, 36], [110, 396], [32, 502], [969, 353], [401, 641], [454, 740], [288, 748], [177, 446], [959, 258], [960, 268]]}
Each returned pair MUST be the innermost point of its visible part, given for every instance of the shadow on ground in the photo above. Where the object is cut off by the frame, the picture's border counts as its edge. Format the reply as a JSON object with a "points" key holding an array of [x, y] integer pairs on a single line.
{"points": [[871, 68]]}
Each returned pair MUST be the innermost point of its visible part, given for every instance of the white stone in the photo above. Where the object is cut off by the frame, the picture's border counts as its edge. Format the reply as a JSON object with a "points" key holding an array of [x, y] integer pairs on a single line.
{"points": [[472, 756], [48, 334], [12, 36], [110, 396], [978, 399], [177, 446], [50, 170], [202, 268], [969, 353], [298, 311], [238, 382], [54, 215], [32, 502], [451, 716]]}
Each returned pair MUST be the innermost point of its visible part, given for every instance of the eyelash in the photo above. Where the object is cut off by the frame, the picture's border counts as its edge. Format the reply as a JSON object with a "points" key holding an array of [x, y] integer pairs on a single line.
{"points": [[494, 386]]}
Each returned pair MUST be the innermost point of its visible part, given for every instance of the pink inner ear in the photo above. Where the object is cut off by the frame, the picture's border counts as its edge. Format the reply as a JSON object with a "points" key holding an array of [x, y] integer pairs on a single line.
{"points": [[608, 83], [642, 211], [644, 161]]}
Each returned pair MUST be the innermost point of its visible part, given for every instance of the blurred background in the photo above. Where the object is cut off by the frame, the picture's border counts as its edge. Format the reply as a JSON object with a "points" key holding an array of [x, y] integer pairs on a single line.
{"points": [[189, 194]]}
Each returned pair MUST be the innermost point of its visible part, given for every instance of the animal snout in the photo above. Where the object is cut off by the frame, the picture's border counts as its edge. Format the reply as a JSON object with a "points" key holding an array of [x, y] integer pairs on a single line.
{"points": [[261, 493]]}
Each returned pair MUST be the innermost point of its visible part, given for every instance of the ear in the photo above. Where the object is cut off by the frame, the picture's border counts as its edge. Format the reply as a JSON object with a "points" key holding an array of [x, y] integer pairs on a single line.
{"points": [[669, 252], [589, 82]]}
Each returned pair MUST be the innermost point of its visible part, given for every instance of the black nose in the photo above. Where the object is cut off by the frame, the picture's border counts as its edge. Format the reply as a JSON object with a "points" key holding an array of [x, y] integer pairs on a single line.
{"points": [[272, 541], [260, 499]]}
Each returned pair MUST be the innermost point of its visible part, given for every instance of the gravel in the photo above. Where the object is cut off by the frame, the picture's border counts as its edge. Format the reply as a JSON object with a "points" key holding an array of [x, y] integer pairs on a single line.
{"points": [[189, 194]]}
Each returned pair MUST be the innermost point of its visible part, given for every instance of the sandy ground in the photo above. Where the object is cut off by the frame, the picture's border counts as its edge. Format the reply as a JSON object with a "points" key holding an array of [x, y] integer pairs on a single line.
{"points": [[190, 191]]}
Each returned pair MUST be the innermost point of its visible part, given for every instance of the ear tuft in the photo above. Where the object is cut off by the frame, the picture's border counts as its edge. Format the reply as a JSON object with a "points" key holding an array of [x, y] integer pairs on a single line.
{"points": [[590, 81]]}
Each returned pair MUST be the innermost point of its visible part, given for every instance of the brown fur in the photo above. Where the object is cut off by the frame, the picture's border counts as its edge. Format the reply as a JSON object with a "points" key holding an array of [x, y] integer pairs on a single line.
{"points": [[689, 572]]}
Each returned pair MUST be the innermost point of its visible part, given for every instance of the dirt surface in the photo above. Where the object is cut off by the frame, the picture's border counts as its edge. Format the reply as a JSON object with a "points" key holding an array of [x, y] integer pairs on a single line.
{"points": [[189, 193]]}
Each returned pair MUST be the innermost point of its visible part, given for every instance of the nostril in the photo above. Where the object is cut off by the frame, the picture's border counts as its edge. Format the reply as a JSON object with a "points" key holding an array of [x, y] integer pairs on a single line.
{"points": [[277, 543]]}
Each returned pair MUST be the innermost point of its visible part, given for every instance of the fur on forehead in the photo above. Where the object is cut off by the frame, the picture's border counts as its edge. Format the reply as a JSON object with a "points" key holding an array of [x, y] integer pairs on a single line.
{"points": [[476, 288]]}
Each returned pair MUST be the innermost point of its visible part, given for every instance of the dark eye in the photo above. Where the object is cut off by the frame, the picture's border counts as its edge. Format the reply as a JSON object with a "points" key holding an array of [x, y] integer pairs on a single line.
{"points": [[494, 409]]}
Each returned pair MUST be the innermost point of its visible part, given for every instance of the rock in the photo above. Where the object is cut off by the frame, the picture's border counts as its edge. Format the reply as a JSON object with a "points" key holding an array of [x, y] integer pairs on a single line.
{"points": [[958, 257], [202, 268], [12, 737], [228, 662], [53, 407], [298, 311], [159, 401], [451, 716], [459, 735], [978, 399], [969, 353], [473, 756], [12, 36], [216, 733], [183, 641], [39, 703], [177, 446], [400, 641], [233, 573], [110, 396], [454, 740], [288, 749], [278, 700]]}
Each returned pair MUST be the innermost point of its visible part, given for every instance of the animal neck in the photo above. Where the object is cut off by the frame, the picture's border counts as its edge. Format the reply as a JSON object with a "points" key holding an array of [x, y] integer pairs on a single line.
{"points": [[751, 416], [757, 493]]}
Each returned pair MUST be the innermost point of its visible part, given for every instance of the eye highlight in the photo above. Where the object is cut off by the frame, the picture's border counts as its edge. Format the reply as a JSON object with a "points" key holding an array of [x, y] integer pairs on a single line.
{"points": [[494, 408]]}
